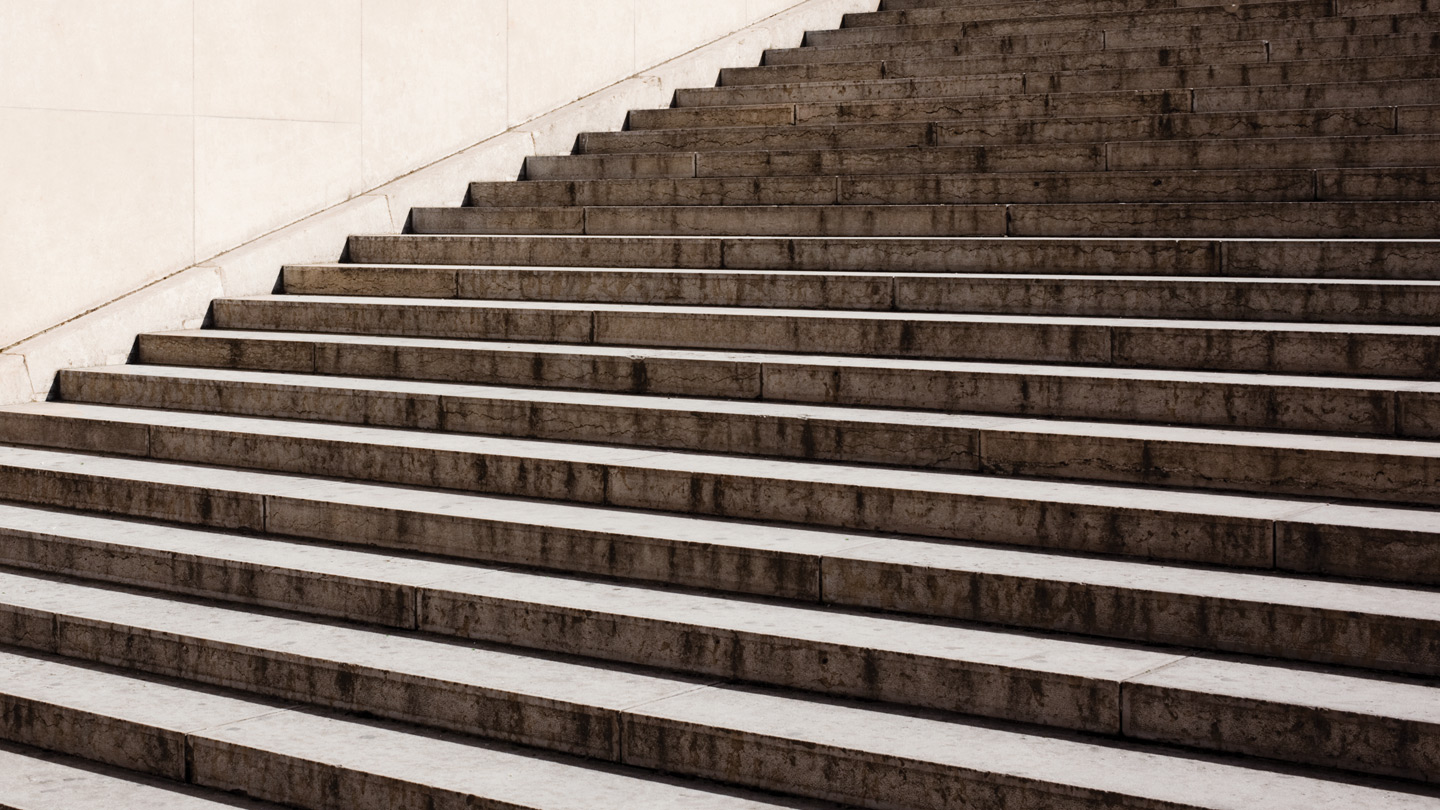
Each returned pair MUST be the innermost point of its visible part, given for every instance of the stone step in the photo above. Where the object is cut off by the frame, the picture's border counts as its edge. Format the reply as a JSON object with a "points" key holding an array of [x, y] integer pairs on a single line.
{"points": [[1127, 11], [895, 5], [1292, 185], [1376, 350], [1303, 465], [241, 744], [1388, 70], [1253, 52], [1342, 121], [1197, 154], [1358, 405], [1420, 93], [1175, 525], [1009, 9], [1366, 626], [1080, 157], [1340, 259], [31, 779], [1260, 56], [1279, 185], [1317, 300], [927, 24], [766, 740], [1306, 220], [1289, 39]]}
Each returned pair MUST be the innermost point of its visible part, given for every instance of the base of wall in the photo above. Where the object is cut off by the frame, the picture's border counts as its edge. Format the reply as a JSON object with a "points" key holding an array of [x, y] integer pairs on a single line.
{"points": [[106, 335]]}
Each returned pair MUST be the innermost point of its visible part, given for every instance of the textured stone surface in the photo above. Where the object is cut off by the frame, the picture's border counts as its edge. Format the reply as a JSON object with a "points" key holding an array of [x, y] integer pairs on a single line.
{"points": [[986, 404]]}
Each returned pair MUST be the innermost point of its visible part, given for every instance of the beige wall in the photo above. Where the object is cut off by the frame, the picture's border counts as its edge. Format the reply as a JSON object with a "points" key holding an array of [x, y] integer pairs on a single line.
{"points": [[139, 137]]}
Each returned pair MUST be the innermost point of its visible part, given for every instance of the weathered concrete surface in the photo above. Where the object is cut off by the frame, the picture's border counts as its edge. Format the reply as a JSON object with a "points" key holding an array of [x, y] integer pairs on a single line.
{"points": [[990, 403]]}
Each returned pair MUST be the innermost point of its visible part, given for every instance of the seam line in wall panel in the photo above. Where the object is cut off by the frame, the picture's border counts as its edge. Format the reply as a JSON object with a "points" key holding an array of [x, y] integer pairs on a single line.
{"points": [[361, 91], [194, 137]]}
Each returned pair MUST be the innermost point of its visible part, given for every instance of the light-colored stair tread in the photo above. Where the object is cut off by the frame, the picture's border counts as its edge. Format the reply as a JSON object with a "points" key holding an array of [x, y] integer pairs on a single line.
{"points": [[31, 779]]}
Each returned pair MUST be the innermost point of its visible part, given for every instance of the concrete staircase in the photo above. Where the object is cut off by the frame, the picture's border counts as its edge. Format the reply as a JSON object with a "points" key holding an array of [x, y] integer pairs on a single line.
{"points": [[987, 405]]}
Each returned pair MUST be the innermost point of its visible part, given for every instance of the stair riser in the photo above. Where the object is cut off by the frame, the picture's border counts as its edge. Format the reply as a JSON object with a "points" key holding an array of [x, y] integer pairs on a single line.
{"points": [[1014, 105], [1300, 352], [1350, 259], [1351, 122], [1310, 220], [1411, 414], [1293, 39], [144, 749], [992, 10], [1230, 720], [1076, 42], [1311, 473], [1135, 614], [873, 69], [1109, 297], [1293, 185], [685, 191], [1243, 542], [912, 60], [1279, 15], [936, 27], [1114, 9], [1403, 19], [1261, 155], [1420, 92], [1354, 121], [1389, 70]]}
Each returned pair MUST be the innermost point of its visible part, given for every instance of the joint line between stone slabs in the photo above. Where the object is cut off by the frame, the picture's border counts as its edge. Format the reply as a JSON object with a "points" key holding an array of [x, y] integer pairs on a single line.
{"points": [[188, 738]]}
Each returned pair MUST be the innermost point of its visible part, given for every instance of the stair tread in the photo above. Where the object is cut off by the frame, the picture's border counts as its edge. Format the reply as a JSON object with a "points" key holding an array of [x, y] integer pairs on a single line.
{"points": [[1238, 281]]}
